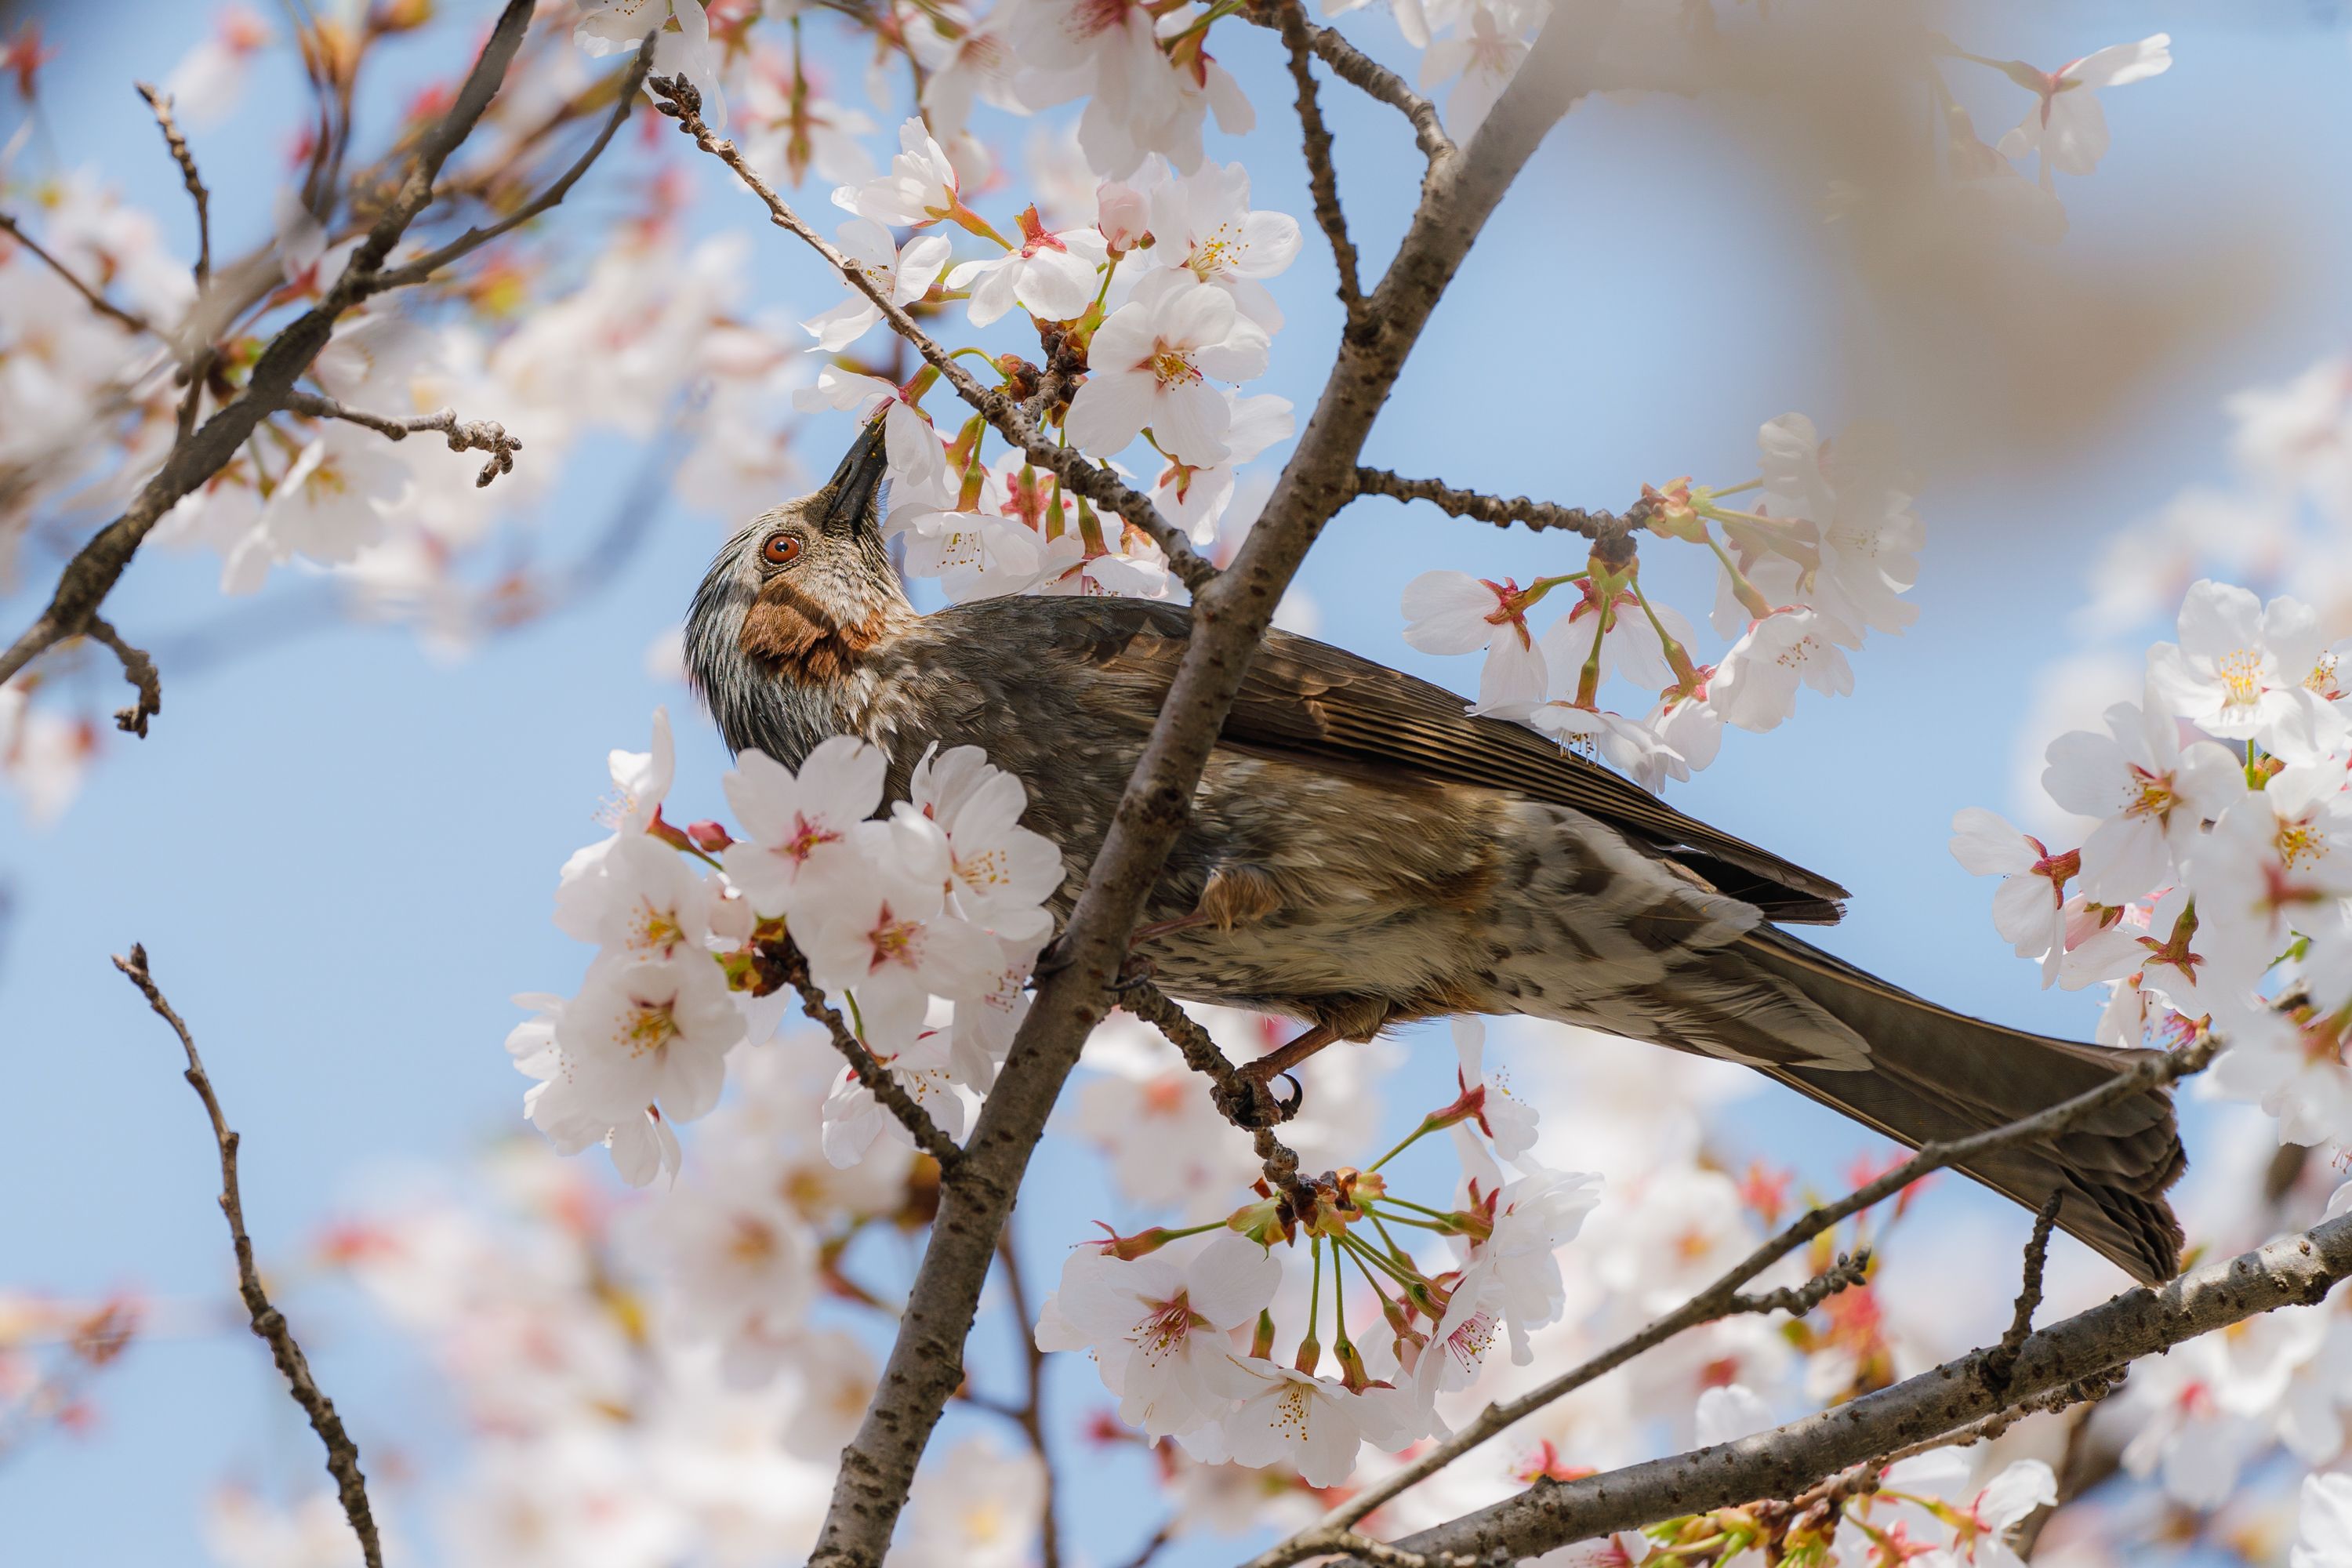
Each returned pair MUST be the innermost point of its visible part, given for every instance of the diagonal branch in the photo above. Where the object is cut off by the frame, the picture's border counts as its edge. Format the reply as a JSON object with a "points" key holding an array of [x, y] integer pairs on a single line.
{"points": [[1322, 178], [268, 1323], [98, 301], [792, 965], [160, 104], [470, 436], [1497, 510], [1230, 614], [1722, 1297], [1358, 70], [95, 569], [1242, 1099], [473, 240], [682, 101], [2075, 1359]]}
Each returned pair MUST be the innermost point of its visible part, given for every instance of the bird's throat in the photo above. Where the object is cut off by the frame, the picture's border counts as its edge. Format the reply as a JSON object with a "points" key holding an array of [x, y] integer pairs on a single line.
{"points": [[785, 630]]}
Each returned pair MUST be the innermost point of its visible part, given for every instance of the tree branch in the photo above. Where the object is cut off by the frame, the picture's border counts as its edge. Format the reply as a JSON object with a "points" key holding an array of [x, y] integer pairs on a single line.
{"points": [[1798, 1300], [1926, 1410], [679, 99], [1242, 1099], [473, 435], [473, 240], [2003, 1361], [1722, 1297], [1031, 1415], [792, 965], [1322, 178], [140, 670], [98, 301], [1358, 70], [160, 104], [1497, 510], [268, 1323], [95, 569], [1230, 614]]}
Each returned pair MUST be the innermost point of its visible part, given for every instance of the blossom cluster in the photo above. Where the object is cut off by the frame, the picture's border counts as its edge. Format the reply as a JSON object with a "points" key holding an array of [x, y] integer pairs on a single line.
{"points": [[2215, 890], [1806, 570], [921, 926]]}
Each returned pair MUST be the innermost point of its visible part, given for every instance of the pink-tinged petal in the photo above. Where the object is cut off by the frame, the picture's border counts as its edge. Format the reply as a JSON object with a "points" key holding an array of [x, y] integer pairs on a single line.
{"points": [[836, 329], [2218, 618], [919, 266], [1242, 354], [2124, 857], [1123, 342], [2025, 912], [1055, 286], [2076, 138], [1515, 672], [1192, 313], [1445, 612]]}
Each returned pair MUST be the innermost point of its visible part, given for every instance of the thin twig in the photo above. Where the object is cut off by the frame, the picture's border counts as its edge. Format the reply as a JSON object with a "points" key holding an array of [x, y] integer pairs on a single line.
{"points": [[470, 435], [1151, 1546], [1322, 178], [473, 240], [1716, 1300], [98, 301], [1243, 1099], [1321, 1542], [792, 966], [98, 565], [1502, 512], [682, 101], [1029, 1416], [1358, 70], [140, 670], [1799, 1300], [268, 1323], [2002, 1362], [161, 104]]}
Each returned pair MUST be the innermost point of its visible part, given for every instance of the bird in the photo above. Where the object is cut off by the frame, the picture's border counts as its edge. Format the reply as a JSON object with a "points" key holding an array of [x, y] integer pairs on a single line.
{"points": [[1362, 852]]}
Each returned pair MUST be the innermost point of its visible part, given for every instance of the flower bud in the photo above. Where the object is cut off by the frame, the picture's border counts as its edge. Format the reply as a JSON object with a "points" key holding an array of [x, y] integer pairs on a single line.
{"points": [[709, 837], [1123, 216]]}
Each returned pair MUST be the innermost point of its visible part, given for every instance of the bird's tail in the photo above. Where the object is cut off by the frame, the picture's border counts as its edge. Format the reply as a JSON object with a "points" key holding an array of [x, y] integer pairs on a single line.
{"points": [[1937, 1075]]}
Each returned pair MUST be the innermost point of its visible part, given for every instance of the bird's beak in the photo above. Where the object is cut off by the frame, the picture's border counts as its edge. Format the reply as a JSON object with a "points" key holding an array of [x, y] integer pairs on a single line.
{"points": [[849, 495]]}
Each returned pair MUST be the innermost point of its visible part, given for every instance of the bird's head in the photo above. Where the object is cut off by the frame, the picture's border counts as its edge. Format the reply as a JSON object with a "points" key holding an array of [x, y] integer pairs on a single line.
{"points": [[803, 591]]}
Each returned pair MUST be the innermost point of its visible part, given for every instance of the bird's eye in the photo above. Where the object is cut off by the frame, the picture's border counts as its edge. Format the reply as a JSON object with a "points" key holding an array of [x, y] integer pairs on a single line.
{"points": [[781, 549]]}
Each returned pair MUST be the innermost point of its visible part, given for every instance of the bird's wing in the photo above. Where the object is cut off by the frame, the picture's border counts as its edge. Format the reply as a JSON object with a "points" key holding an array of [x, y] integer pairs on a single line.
{"points": [[1311, 701]]}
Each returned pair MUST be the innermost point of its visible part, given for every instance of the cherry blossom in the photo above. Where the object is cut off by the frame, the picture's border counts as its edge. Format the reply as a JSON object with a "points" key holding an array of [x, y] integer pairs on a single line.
{"points": [[1452, 612], [1755, 687], [904, 274], [2153, 795], [854, 1118], [1486, 55], [642, 1032], [1152, 359], [683, 48], [328, 506], [1158, 1331], [922, 186], [1533, 1216], [799, 829], [2240, 669], [1049, 275], [1854, 496], [1312, 1424], [976, 1506], [2029, 909], [999, 871], [1203, 222], [2067, 126]]}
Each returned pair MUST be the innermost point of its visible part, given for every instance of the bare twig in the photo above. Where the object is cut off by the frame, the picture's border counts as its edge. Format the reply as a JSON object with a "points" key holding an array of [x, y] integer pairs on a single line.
{"points": [[1242, 1099], [679, 99], [792, 966], [1230, 614], [140, 670], [1718, 1299], [1497, 509], [92, 573], [160, 103], [470, 435], [268, 1323], [1029, 1416], [1152, 1544], [1358, 70], [1322, 178], [473, 240], [2002, 1362], [1326, 1543], [98, 301], [1798, 1300]]}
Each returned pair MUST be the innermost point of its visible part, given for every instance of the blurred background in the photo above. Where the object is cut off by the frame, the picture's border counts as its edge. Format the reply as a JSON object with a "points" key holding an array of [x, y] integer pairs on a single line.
{"points": [[338, 842]]}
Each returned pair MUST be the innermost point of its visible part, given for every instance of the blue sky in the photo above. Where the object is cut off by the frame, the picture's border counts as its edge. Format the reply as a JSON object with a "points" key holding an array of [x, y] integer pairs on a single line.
{"points": [[338, 852]]}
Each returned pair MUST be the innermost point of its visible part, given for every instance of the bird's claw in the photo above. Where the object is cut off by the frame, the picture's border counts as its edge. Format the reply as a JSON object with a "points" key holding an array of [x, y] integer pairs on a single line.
{"points": [[1249, 1102]]}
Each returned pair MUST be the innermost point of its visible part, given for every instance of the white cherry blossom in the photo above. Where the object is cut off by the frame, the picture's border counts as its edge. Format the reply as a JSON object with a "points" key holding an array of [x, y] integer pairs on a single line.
{"points": [[2067, 125], [1051, 275], [906, 274], [1152, 359], [1452, 612], [799, 828], [2239, 672], [642, 1032], [1203, 222], [1755, 687], [1158, 1329], [2153, 795]]}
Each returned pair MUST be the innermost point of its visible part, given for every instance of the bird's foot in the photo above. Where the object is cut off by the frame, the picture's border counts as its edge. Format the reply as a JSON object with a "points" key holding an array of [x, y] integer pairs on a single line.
{"points": [[1249, 1102], [1162, 927], [1138, 970]]}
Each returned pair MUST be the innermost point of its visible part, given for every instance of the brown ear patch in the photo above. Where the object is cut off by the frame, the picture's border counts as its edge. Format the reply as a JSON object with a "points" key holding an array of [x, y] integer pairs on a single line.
{"points": [[784, 628]]}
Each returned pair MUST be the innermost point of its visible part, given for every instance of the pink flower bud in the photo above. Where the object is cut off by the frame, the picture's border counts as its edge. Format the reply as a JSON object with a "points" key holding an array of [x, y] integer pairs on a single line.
{"points": [[1123, 214]]}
